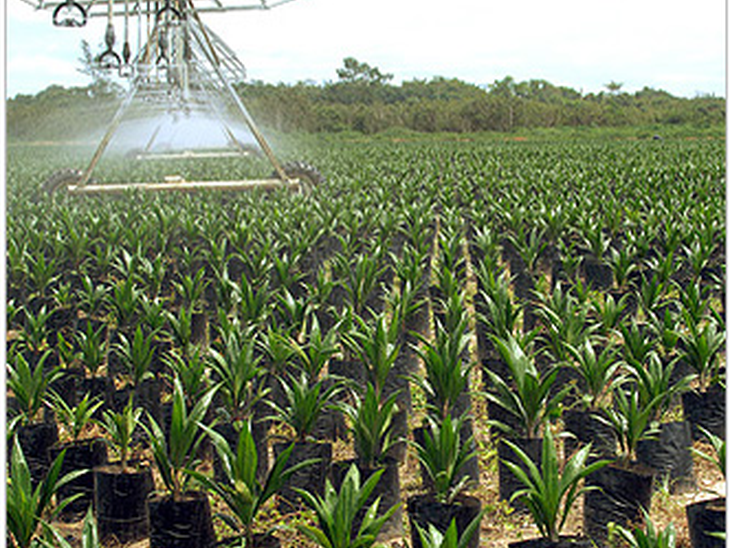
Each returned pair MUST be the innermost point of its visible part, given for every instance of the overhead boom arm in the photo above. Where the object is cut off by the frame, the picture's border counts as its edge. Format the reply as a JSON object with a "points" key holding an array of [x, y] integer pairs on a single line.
{"points": [[99, 9]]}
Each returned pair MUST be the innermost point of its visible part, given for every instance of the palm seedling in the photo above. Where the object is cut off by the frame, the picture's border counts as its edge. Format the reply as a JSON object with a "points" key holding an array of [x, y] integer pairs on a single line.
{"points": [[236, 370], [120, 427], [697, 254], [153, 272], [623, 263], [432, 537], [447, 283], [181, 329], [360, 275], [225, 292], [595, 238], [92, 297], [286, 270], [582, 291], [484, 243], [653, 381], [153, 316], [89, 535], [191, 289], [627, 484], [706, 519], [637, 342], [125, 301], [217, 255], [418, 220], [608, 312], [277, 347], [17, 267], [375, 345], [336, 513], [41, 273], [501, 311], [188, 258], [565, 322], [570, 258], [92, 345], [650, 293], [446, 379], [291, 312], [664, 327], [175, 453], [252, 301], [443, 454], [549, 492], [256, 258], [525, 394], [239, 487], [648, 537], [126, 264], [319, 348], [411, 265], [136, 355], [29, 506], [663, 266], [371, 425], [34, 336], [530, 247], [598, 372], [319, 292], [717, 459], [405, 303], [83, 450], [455, 319], [694, 303], [29, 385], [451, 255], [192, 371], [305, 400], [76, 419], [62, 296], [102, 255], [701, 349], [121, 488], [631, 420]]}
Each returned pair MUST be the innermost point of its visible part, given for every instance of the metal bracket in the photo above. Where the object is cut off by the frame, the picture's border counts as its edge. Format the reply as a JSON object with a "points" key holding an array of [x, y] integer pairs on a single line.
{"points": [[63, 15]]}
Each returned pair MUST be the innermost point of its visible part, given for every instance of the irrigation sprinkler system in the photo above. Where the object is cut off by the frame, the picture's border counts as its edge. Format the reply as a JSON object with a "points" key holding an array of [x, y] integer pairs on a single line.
{"points": [[179, 68]]}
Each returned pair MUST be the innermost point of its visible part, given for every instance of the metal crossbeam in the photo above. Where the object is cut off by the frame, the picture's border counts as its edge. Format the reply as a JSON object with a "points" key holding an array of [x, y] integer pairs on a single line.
{"points": [[99, 9]]}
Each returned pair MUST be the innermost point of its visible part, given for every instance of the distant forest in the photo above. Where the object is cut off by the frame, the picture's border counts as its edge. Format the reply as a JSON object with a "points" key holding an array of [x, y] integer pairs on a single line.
{"points": [[363, 99]]}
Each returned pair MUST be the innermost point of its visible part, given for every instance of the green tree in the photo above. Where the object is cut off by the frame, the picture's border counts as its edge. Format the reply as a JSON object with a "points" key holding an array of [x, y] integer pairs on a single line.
{"points": [[355, 71], [614, 87]]}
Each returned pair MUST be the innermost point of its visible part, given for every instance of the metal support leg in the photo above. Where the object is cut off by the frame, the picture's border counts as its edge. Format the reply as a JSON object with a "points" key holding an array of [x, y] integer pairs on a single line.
{"points": [[209, 51]]}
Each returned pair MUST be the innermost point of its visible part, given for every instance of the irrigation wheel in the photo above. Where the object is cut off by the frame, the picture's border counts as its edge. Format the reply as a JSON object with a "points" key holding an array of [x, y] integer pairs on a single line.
{"points": [[61, 179], [308, 175]]}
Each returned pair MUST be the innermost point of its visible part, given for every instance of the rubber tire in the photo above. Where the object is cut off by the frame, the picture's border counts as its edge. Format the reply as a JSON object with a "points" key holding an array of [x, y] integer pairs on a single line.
{"points": [[61, 179], [309, 176]]}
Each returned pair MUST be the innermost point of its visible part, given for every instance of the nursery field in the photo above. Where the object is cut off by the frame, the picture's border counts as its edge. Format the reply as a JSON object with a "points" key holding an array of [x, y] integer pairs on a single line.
{"points": [[525, 337]]}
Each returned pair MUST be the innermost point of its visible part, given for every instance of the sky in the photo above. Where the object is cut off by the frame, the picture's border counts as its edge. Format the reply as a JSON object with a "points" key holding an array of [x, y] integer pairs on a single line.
{"points": [[582, 44]]}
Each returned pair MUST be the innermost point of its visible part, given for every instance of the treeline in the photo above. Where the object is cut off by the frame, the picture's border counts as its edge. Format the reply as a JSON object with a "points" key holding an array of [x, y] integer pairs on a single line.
{"points": [[451, 105], [62, 113], [364, 100]]}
